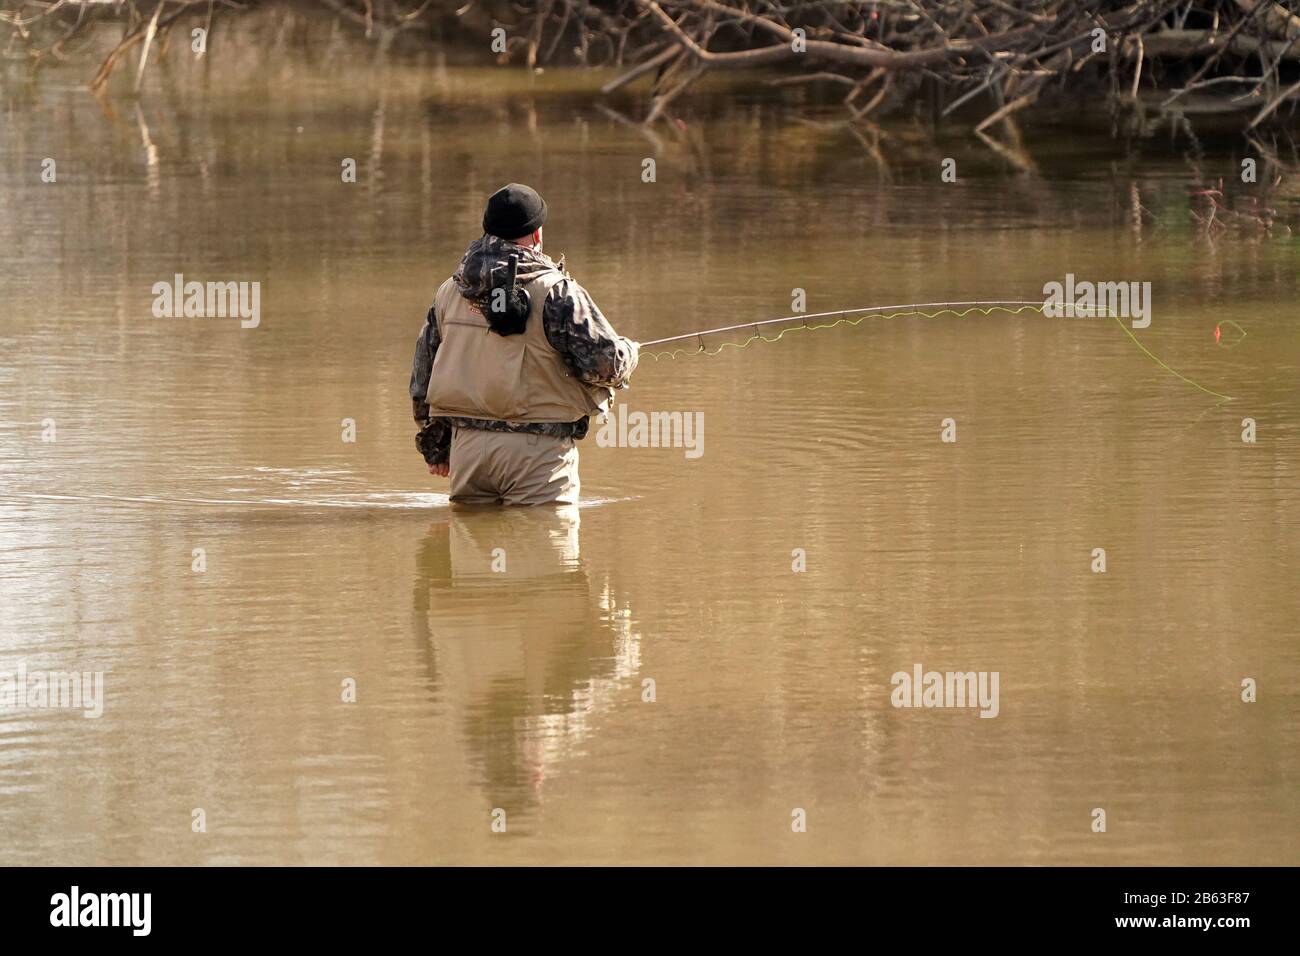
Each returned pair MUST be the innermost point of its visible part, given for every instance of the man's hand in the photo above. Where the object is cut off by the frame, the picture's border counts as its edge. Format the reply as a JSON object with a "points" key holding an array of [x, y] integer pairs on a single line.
{"points": [[434, 443]]}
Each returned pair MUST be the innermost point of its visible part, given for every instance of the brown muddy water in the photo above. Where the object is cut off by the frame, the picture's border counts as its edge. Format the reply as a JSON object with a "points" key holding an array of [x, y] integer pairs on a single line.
{"points": [[325, 562]]}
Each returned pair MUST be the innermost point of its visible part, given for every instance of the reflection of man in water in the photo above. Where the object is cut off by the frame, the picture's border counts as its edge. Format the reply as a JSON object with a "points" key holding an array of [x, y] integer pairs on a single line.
{"points": [[513, 360], [529, 658]]}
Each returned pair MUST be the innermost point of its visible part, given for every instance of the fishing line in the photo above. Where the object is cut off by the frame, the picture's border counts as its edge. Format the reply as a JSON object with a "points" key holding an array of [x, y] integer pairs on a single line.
{"points": [[984, 307], [1218, 331], [1177, 374]]}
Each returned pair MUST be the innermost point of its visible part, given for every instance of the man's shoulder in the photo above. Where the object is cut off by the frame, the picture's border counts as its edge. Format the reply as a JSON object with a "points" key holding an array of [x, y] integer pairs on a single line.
{"points": [[552, 279], [445, 290]]}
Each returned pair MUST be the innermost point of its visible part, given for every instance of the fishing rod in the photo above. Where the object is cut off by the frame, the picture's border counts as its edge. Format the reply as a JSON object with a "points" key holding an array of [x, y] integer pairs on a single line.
{"points": [[912, 306], [986, 306]]}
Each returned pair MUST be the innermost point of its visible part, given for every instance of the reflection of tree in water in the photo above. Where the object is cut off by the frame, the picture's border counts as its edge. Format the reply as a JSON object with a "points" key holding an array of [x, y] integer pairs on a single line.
{"points": [[529, 657]]}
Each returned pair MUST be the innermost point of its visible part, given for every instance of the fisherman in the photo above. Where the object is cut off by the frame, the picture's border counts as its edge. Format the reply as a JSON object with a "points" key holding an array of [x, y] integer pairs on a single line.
{"points": [[513, 360]]}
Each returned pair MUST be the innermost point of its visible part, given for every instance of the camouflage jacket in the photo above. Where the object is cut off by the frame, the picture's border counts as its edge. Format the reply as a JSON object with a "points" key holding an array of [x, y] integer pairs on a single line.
{"points": [[573, 325]]}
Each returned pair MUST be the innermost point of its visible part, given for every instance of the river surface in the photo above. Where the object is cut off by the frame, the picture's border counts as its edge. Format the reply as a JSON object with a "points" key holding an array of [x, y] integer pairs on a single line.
{"points": [[646, 678]]}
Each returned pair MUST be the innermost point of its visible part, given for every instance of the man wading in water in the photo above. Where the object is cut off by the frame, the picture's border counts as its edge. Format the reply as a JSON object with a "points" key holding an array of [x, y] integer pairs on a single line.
{"points": [[507, 373]]}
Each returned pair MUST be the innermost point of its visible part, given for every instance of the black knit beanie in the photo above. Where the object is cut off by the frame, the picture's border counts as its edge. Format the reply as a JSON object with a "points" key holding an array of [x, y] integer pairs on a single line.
{"points": [[514, 211]]}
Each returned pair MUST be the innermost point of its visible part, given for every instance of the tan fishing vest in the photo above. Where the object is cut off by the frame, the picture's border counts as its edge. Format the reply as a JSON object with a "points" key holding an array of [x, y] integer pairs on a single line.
{"points": [[512, 378]]}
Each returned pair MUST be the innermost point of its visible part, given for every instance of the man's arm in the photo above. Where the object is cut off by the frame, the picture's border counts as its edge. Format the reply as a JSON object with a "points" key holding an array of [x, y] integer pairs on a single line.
{"points": [[434, 439], [426, 347], [575, 328]]}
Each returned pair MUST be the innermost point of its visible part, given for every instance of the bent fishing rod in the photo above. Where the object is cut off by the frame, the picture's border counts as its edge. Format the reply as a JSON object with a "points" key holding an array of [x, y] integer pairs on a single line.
{"points": [[986, 306], [907, 308]]}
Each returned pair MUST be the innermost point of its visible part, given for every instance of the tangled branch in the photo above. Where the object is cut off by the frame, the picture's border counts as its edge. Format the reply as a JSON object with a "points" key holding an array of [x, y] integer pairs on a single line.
{"points": [[990, 58]]}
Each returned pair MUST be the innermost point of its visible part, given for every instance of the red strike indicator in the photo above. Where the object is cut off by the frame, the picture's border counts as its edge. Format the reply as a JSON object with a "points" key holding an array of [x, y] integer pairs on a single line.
{"points": [[1217, 333]]}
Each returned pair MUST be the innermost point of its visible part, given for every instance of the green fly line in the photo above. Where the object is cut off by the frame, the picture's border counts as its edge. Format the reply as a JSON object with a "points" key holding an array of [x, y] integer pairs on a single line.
{"points": [[1174, 372], [881, 312], [1225, 324]]}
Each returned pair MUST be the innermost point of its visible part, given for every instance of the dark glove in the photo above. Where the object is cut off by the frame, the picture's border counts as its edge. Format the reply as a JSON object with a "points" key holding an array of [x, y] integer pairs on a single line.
{"points": [[434, 442]]}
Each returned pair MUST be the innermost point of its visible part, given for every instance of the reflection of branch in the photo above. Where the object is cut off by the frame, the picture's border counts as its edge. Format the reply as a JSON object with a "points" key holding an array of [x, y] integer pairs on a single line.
{"points": [[1014, 155], [872, 146], [1019, 102], [1218, 217], [153, 174], [651, 136]]}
